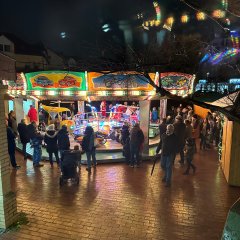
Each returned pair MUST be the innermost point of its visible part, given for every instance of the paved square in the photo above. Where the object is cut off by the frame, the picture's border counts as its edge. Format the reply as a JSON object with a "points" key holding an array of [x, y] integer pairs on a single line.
{"points": [[119, 202]]}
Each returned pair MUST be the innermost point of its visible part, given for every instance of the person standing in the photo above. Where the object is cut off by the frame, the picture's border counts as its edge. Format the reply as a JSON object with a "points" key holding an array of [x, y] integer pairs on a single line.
{"points": [[12, 122], [125, 132], [89, 148], [167, 145], [63, 140], [204, 131], [154, 115], [32, 114], [136, 141], [36, 143], [179, 131], [189, 155], [163, 127], [24, 136], [31, 129], [189, 129], [11, 146], [50, 139]]}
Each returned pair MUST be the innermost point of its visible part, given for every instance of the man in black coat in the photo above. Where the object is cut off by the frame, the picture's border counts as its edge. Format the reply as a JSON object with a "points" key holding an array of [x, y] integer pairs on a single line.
{"points": [[167, 145], [24, 136], [179, 131], [163, 127], [11, 146]]}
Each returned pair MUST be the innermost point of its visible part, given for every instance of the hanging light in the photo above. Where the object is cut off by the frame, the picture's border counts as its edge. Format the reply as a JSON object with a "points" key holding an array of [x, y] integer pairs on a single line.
{"points": [[184, 18], [201, 16], [219, 13], [170, 21]]}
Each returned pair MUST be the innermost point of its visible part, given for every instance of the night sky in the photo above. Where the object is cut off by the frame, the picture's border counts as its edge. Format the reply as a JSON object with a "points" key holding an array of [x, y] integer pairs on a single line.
{"points": [[81, 20]]}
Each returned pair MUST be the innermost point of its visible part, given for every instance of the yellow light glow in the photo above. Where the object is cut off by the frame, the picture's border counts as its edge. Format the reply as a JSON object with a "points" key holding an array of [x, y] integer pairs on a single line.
{"points": [[37, 93], [219, 13], [102, 93], [24, 92], [82, 93], [18, 91], [170, 21], [201, 16], [13, 91], [184, 18], [157, 23], [147, 24], [66, 93], [118, 93], [136, 93], [152, 93], [51, 93]]}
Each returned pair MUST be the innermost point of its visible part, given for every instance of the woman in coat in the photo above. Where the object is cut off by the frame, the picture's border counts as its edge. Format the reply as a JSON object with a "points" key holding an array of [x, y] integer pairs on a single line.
{"points": [[24, 136], [50, 139], [89, 148]]}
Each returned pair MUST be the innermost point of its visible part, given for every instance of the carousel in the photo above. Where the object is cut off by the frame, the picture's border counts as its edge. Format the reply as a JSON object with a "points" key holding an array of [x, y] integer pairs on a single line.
{"points": [[104, 101]]}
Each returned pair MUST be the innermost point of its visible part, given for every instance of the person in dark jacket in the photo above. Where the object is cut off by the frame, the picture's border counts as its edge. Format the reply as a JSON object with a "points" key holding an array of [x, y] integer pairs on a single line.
{"points": [[125, 132], [136, 141], [12, 122], [63, 140], [31, 129], [163, 127], [50, 139], [179, 131], [89, 148], [11, 146], [189, 155], [24, 136], [167, 146], [127, 151]]}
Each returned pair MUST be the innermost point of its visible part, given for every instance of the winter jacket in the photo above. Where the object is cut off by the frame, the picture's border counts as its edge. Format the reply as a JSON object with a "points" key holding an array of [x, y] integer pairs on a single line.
{"points": [[11, 140], [188, 132], [162, 128], [12, 123], [37, 140], [125, 133], [31, 130], [23, 133], [179, 131], [63, 140], [167, 144], [190, 150], [50, 139], [136, 137], [88, 143], [32, 114]]}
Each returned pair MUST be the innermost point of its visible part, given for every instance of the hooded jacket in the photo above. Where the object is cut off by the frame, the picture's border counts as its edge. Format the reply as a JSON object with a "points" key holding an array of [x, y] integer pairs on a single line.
{"points": [[63, 140], [136, 136], [23, 133], [50, 139], [167, 144]]}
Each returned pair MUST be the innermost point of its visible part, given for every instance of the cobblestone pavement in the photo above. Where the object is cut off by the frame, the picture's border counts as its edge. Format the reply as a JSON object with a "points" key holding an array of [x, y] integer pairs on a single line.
{"points": [[119, 202]]}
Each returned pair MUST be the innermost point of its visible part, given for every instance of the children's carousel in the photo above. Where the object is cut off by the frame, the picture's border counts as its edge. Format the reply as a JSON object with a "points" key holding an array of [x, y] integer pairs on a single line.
{"points": [[104, 101]]}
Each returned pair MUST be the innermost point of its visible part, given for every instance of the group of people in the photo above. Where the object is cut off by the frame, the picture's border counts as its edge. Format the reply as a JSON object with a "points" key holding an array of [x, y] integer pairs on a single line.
{"points": [[179, 133]]}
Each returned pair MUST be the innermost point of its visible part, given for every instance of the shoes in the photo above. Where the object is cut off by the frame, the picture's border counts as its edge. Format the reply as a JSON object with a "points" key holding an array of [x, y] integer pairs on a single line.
{"points": [[164, 179], [38, 165], [51, 165], [25, 158], [194, 170], [132, 166], [138, 165], [185, 173], [17, 167], [95, 165], [168, 184], [88, 169]]}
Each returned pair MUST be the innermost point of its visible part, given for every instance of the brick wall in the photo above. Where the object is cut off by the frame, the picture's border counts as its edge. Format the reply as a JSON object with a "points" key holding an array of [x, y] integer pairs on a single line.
{"points": [[8, 207]]}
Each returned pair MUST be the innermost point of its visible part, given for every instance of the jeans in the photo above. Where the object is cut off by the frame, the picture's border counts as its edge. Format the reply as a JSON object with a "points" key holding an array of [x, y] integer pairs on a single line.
{"points": [[203, 142], [13, 159], [91, 154], [56, 156], [190, 165], [37, 155], [24, 146], [135, 158], [166, 164], [181, 152]]}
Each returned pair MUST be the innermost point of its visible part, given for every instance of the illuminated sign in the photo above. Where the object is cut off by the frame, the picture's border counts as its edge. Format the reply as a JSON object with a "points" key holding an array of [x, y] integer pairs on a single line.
{"points": [[54, 80]]}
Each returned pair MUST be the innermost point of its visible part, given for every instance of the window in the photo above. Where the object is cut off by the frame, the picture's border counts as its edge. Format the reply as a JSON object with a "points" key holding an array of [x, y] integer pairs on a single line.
{"points": [[7, 48], [1, 47]]}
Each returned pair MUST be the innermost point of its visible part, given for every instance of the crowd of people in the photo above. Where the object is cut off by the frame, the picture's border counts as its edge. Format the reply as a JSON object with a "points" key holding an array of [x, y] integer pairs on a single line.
{"points": [[178, 135]]}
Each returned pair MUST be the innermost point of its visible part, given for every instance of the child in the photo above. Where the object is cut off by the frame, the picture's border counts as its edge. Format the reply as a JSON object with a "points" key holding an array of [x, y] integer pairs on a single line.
{"points": [[189, 155], [36, 143]]}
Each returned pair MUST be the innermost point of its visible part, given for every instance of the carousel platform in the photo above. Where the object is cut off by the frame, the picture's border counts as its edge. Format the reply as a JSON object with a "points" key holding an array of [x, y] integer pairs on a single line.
{"points": [[110, 152]]}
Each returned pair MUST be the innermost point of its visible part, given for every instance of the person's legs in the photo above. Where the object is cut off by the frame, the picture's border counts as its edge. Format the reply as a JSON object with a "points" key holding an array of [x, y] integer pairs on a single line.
{"points": [[137, 156], [163, 166], [56, 156], [13, 159], [24, 146], [169, 162], [34, 155], [132, 155], [181, 155], [94, 157], [50, 158], [88, 160], [188, 166]]}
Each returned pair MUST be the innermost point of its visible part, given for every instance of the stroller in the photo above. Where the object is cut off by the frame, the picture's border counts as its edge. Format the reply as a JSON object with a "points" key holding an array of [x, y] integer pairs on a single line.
{"points": [[70, 166]]}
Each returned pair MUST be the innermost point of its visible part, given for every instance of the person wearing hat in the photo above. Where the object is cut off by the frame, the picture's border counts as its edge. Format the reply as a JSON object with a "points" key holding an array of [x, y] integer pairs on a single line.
{"points": [[167, 145], [50, 139], [189, 153], [180, 131], [63, 140]]}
